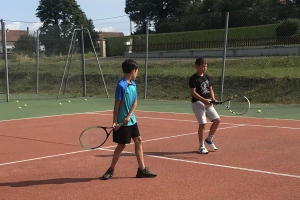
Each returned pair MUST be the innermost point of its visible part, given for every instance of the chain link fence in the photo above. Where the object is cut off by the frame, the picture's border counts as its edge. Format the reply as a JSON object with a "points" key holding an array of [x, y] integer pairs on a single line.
{"points": [[50, 61]]}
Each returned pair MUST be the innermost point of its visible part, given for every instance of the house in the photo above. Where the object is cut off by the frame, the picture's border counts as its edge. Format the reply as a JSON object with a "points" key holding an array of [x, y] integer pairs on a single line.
{"points": [[11, 37], [103, 35]]}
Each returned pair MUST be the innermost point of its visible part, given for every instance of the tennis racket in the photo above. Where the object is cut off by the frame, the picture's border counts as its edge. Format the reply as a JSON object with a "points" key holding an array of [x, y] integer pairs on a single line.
{"points": [[94, 137], [236, 104]]}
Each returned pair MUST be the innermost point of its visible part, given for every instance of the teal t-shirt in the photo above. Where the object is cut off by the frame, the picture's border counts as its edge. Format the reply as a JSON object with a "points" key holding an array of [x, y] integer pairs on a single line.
{"points": [[127, 94]]}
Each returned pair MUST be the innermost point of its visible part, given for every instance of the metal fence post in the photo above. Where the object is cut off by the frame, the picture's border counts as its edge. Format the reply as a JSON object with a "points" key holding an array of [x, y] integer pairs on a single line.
{"points": [[37, 60], [146, 58], [5, 58], [83, 62], [224, 55]]}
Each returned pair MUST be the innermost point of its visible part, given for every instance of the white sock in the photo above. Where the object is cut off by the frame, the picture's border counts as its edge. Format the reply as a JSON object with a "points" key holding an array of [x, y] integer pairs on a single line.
{"points": [[210, 137], [202, 144]]}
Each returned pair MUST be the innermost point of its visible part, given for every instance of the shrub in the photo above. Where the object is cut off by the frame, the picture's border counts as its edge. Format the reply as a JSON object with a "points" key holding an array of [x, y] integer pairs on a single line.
{"points": [[288, 27]]}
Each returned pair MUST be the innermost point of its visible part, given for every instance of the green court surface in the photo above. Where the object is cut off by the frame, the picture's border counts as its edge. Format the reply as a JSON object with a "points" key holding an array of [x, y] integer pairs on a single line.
{"points": [[48, 107]]}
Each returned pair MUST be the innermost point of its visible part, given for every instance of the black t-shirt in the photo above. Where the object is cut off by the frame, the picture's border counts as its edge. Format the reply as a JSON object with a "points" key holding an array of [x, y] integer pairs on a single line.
{"points": [[202, 84]]}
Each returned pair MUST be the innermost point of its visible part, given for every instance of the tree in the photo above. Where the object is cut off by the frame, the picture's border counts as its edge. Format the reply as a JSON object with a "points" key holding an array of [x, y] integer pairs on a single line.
{"points": [[154, 10], [26, 44], [60, 18]]}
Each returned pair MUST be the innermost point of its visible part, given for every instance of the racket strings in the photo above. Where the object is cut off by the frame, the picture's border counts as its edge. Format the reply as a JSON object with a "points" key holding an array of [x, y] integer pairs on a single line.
{"points": [[238, 104], [93, 138]]}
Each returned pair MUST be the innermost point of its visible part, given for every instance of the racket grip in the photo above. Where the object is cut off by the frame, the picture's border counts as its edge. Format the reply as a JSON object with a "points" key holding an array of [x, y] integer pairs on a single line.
{"points": [[119, 124]]}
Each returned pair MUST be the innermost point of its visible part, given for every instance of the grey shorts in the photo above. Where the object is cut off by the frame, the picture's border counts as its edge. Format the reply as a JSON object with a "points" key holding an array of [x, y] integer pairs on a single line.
{"points": [[203, 111]]}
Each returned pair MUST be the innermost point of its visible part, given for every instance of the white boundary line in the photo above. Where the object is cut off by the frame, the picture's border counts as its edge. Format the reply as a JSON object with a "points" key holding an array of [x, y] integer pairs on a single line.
{"points": [[222, 115], [165, 158], [186, 120], [215, 165], [47, 116], [75, 152]]}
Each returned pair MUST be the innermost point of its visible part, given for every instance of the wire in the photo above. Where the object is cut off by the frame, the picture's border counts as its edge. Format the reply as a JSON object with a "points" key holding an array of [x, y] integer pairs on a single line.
{"points": [[92, 19]]}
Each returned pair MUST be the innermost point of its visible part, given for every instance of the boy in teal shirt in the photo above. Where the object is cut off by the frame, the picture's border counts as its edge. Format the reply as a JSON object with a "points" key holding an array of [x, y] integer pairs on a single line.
{"points": [[125, 104]]}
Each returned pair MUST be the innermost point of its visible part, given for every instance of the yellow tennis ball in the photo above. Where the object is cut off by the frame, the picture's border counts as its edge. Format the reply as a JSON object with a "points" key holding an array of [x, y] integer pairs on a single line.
{"points": [[25, 105], [259, 111], [20, 107], [17, 101], [69, 101], [60, 104], [85, 99]]}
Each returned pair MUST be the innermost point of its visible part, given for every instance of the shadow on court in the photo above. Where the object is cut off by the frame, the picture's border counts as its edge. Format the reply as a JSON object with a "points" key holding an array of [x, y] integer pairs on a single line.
{"points": [[48, 181], [188, 154]]}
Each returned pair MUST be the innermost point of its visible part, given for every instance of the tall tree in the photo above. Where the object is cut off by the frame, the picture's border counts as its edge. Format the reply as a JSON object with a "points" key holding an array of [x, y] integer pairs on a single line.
{"points": [[154, 10], [60, 18]]}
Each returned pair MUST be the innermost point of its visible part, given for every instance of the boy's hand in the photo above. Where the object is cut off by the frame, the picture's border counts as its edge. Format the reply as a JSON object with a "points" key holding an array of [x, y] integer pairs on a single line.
{"points": [[213, 101], [207, 101], [115, 127], [126, 120]]}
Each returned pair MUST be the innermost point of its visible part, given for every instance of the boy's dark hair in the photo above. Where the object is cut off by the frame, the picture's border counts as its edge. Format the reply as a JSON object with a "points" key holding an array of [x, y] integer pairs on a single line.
{"points": [[200, 61], [128, 65]]}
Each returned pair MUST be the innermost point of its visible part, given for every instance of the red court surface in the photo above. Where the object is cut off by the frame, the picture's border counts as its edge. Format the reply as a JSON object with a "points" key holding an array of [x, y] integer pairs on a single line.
{"points": [[256, 159]]}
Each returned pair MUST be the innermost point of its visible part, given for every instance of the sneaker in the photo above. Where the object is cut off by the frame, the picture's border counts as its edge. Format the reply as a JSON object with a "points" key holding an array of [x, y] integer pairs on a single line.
{"points": [[211, 144], [202, 150], [146, 173], [108, 174]]}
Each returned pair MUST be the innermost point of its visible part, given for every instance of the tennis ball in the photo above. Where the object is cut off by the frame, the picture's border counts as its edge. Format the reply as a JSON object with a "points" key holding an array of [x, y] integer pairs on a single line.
{"points": [[20, 107], [60, 104], [17, 101], [259, 111], [85, 99], [25, 105], [69, 101]]}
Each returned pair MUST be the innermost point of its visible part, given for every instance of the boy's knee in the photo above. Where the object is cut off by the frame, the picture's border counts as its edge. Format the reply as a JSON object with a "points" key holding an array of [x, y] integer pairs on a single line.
{"points": [[138, 140], [122, 146]]}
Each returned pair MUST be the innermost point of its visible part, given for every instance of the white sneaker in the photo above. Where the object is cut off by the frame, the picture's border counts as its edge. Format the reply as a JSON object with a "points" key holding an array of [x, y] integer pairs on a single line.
{"points": [[211, 144], [202, 150]]}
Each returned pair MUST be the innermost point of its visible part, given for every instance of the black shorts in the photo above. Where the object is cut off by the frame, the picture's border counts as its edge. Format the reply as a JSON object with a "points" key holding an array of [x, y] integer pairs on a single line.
{"points": [[124, 134]]}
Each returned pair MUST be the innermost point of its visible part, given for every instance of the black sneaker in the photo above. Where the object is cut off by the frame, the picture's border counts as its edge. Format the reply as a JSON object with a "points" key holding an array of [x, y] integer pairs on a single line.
{"points": [[108, 174], [146, 173]]}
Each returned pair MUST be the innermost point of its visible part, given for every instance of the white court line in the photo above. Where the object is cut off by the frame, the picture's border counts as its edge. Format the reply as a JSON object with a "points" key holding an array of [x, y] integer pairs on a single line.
{"points": [[185, 120], [165, 158], [215, 165], [47, 116], [234, 116], [32, 159]]}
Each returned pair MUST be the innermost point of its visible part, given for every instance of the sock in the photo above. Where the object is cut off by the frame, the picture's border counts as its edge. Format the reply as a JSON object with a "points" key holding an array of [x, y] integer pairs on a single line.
{"points": [[202, 144], [210, 138]]}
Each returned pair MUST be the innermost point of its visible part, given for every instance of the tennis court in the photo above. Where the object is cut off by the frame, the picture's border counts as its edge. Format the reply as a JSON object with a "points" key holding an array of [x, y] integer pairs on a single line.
{"points": [[258, 155]]}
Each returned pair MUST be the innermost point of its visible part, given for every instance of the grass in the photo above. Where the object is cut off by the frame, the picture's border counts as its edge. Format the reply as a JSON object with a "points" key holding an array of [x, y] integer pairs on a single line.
{"points": [[279, 67], [263, 79]]}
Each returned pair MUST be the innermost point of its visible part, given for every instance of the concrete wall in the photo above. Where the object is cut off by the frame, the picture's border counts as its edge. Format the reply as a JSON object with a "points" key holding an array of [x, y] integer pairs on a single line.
{"points": [[238, 52]]}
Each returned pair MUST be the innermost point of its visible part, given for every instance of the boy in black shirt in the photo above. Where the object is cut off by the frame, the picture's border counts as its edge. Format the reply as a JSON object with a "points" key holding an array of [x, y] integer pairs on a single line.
{"points": [[202, 94]]}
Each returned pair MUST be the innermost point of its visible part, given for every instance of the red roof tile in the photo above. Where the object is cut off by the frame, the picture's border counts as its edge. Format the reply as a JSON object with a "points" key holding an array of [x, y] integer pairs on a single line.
{"points": [[13, 35]]}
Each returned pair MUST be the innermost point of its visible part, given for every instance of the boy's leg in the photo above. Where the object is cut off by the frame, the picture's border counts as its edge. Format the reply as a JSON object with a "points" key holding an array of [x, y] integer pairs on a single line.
{"points": [[110, 172], [214, 126], [202, 149], [199, 111], [201, 130], [117, 154], [139, 152], [215, 118], [143, 172]]}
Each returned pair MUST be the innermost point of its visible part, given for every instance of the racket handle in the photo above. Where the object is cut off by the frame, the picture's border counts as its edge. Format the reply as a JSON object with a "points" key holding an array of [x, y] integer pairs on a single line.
{"points": [[214, 102], [119, 124]]}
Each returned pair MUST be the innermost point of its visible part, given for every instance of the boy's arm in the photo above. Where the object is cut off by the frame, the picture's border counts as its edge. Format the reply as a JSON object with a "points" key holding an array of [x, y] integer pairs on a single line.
{"points": [[197, 96], [115, 113], [127, 118], [212, 94]]}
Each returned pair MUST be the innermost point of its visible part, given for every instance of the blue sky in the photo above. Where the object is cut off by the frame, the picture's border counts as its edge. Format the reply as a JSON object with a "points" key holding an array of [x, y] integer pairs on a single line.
{"points": [[17, 14]]}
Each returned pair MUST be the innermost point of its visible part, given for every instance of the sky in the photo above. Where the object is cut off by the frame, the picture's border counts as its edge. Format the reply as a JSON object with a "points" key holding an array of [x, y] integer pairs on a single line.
{"points": [[107, 15]]}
